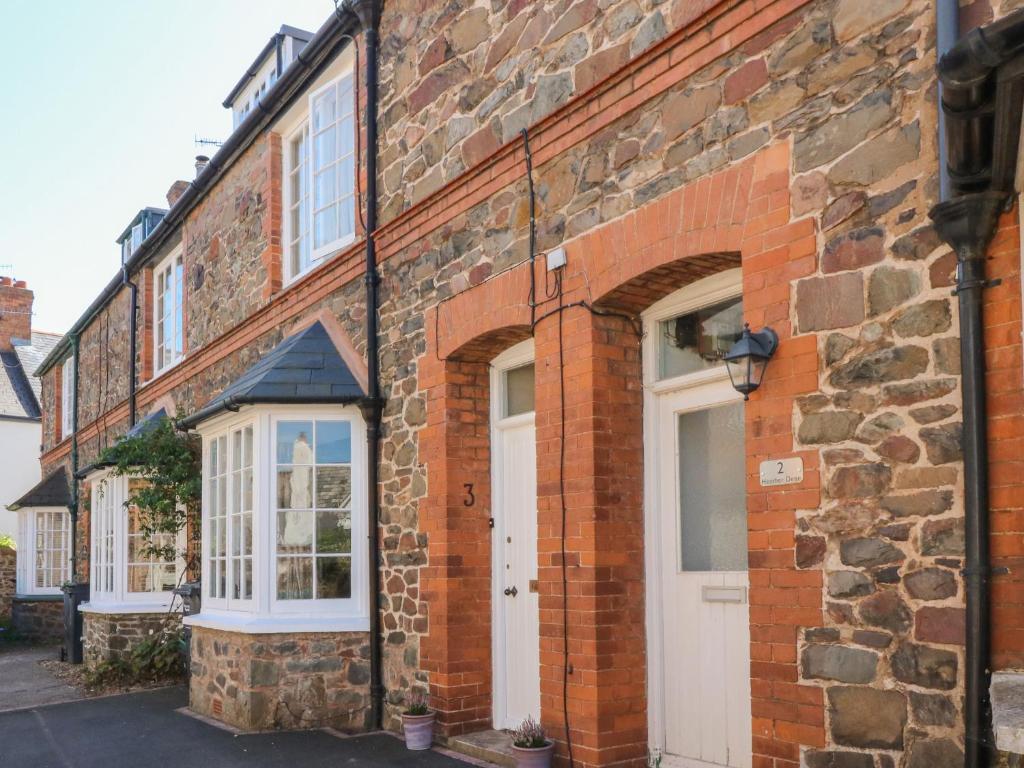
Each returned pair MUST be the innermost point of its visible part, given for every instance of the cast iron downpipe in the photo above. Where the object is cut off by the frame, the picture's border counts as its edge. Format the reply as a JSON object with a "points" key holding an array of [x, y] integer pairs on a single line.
{"points": [[74, 458], [966, 219], [967, 223], [133, 328], [368, 12]]}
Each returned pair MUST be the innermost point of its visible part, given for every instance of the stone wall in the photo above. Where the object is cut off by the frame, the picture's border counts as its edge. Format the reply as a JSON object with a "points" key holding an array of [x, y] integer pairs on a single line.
{"points": [[39, 619], [281, 681], [846, 89], [8, 580], [106, 636]]}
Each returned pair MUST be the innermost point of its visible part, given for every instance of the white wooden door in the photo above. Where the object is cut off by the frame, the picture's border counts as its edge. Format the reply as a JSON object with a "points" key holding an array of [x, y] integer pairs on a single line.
{"points": [[705, 620], [516, 619]]}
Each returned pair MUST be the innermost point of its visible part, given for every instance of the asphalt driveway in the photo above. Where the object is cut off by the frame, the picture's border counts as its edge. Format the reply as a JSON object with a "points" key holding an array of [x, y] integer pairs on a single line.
{"points": [[139, 729]]}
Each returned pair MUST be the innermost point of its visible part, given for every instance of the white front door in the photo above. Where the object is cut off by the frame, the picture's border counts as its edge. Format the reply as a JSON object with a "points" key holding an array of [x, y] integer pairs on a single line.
{"points": [[514, 567], [704, 613]]}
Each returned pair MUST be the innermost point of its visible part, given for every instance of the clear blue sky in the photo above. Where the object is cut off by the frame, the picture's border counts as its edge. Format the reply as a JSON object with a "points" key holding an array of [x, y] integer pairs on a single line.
{"points": [[103, 99]]}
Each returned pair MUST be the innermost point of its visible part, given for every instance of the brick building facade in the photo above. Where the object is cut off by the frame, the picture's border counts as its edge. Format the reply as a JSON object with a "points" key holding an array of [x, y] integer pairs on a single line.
{"points": [[782, 152]]}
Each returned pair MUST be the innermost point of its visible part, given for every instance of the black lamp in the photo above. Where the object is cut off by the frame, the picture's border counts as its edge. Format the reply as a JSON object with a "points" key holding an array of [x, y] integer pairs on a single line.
{"points": [[749, 357]]}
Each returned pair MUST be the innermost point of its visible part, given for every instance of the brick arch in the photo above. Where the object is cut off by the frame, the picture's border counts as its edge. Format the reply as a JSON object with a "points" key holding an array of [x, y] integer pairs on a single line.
{"points": [[484, 319], [638, 293], [738, 216]]}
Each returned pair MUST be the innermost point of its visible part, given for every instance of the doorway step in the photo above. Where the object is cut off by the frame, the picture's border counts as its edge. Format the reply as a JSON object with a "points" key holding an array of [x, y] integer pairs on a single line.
{"points": [[491, 746]]}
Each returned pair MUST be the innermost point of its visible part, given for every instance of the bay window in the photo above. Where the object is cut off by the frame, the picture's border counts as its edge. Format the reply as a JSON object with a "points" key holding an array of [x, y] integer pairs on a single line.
{"points": [[45, 540], [285, 520], [168, 311], [127, 575], [320, 174]]}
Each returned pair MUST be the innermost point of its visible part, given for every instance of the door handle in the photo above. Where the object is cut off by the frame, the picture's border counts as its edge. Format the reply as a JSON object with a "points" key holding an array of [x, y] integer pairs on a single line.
{"points": [[511, 591]]}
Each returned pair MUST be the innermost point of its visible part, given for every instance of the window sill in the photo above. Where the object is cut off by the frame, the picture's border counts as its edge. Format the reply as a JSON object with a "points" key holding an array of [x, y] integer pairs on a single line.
{"points": [[249, 624], [166, 369], [38, 597], [331, 252], [126, 607]]}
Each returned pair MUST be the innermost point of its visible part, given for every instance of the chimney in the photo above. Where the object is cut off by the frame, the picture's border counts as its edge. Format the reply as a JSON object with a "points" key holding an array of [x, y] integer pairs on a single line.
{"points": [[15, 313], [178, 189], [201, 162]]}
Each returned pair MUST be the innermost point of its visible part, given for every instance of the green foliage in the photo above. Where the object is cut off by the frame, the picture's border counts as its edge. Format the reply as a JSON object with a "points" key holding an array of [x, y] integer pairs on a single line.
{"points": [[158, 658], [529, 735], [169, 464], [6, 541], [418, 705]]}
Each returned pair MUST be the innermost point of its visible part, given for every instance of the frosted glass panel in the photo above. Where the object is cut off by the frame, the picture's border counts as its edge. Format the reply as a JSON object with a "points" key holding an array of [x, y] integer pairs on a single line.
{"points": [[519, 393], [712, 490]]}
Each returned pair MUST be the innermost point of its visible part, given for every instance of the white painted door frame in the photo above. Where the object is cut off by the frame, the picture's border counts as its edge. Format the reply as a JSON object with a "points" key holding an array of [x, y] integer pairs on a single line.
{"points": [[704, 292], [514, 357]]}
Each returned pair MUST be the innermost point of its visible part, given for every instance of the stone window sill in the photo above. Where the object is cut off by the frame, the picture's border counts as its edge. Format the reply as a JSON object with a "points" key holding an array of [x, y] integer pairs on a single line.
{"points": [[1008, 711], [42, 597], [249, 624], [119, 608]]}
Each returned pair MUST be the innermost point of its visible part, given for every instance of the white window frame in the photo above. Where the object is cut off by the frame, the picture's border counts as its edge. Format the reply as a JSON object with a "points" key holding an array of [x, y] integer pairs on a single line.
{"points": [[28, 531], [168, 269], [299, 125], [67, 397], [108, 550], [264, 613], [226, 434]]}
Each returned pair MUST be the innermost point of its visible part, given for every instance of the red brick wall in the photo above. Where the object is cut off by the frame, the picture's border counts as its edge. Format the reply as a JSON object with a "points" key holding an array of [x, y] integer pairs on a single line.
{"points": [[1005, 390], [626, 265]]}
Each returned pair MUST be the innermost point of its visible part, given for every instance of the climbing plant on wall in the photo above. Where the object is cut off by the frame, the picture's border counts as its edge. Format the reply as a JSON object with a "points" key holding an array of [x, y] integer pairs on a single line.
{"points": [[167, 462]]}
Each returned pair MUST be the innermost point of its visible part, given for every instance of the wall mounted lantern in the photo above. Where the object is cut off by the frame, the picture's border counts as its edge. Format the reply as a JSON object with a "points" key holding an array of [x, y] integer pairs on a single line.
{"points": [[749, 357]]}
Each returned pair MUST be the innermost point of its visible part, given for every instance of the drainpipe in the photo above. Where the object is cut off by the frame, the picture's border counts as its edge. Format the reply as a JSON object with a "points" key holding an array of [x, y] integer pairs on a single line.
{"points": [[132, 336], [74, 458], [966, 219], [368, 12], [968, 223]]}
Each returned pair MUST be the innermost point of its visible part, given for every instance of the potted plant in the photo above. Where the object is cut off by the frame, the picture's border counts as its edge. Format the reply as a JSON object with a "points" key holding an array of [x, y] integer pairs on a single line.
{"points": [[418, 722], [531, 745]]}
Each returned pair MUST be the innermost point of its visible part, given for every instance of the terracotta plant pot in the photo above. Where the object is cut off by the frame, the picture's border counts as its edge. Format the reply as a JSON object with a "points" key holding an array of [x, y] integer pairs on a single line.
{"points": [[419, 730], [534, 758]]}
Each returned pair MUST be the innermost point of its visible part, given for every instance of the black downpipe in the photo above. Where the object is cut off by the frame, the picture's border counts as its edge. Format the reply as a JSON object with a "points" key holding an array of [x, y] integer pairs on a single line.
{"points": [[966, 219], [368, 12], [133, 330], [74, 457], [968, 223]]}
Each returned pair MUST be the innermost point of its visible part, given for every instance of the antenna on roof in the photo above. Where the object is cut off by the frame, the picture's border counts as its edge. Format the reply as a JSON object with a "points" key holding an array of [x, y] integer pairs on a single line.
{"points": [[6, 267], [201, 142]]}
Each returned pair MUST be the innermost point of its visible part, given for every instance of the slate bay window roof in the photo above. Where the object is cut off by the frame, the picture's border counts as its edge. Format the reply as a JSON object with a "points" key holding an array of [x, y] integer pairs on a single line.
{"points": [[51, 491], [305, 368]]}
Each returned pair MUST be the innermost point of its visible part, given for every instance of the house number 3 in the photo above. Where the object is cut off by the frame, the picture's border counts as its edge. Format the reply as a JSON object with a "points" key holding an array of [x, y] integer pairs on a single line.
{"points": [[470, 499]]}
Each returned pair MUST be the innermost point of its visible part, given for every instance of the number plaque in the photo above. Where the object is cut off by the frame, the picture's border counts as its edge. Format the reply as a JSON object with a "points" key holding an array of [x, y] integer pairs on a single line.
{"points": [[782, 471]]}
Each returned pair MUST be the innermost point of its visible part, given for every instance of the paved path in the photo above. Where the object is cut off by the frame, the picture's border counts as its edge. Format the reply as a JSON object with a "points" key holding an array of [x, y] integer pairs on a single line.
{"points": [[24, 682], [143, 729]]}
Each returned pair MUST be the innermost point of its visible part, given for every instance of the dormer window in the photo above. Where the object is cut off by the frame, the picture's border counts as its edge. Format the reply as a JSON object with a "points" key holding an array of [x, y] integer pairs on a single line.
{"points": [[134, 235], [320, 173]]}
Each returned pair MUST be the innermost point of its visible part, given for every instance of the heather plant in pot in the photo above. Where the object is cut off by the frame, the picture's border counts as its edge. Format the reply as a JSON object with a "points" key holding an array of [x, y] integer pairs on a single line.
{"points": [[531, 745], [418, 722]]}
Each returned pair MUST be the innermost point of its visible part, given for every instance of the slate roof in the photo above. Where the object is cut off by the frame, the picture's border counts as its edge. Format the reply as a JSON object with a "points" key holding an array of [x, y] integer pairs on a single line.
{"points": [[51, 491], [19, 388], [304, 368], [148, 424]]}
